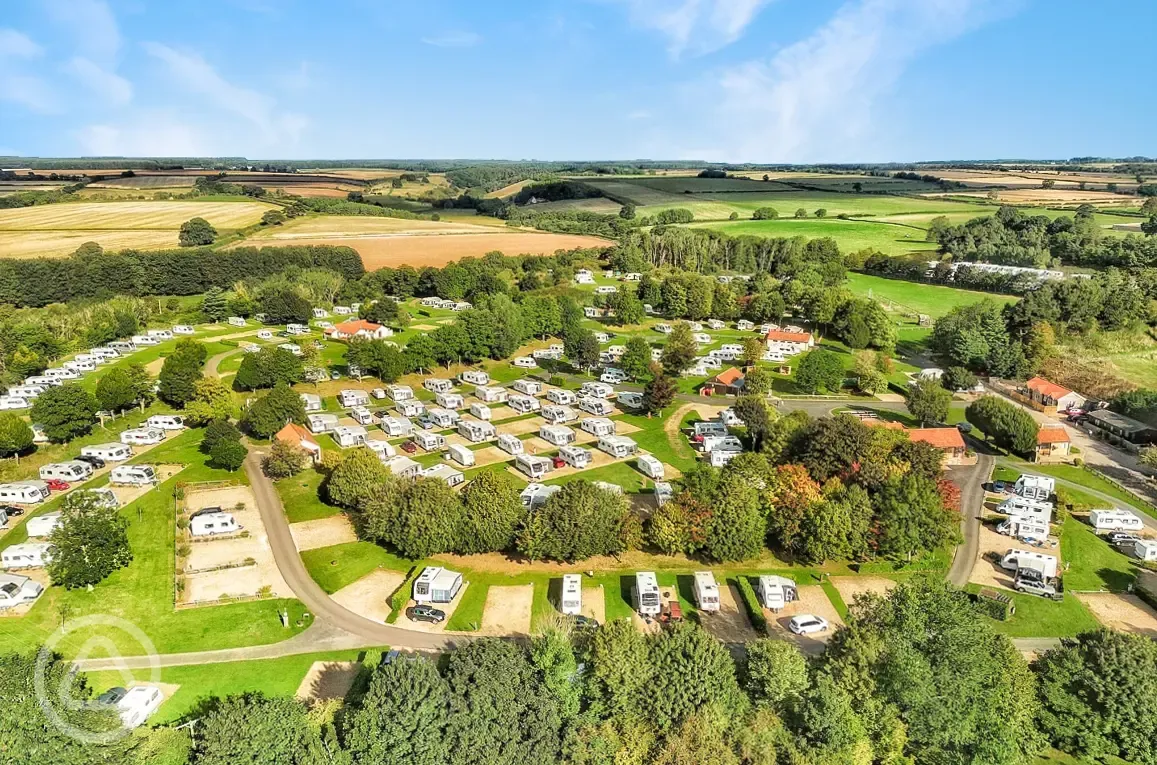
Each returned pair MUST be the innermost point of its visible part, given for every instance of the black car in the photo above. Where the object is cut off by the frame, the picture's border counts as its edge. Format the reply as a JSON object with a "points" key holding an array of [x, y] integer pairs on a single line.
{"points": [[425, 614], [12, 510], [96, 462], [584, 622]]}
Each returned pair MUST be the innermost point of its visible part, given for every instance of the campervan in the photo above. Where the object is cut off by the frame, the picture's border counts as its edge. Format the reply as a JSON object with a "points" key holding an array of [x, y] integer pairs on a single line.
{"points": [[1034, 487], [647, 601], [570, 599], [133, 475], [1115, 520], [490, 394], [650, 467], [523, 404], [557, 415], [449, 400], [321, 423], [528, 387], [42, 525], [211, 522], [427, 440], [166, 422], [775, 592], [142, 436], [1015, 560], [474, 377], [1025, 529], [510, 444], [706, 591], [72, 470], [596, 406], [481, 411], [617, 446], [437, 385], [461, 454], [558, 435], [534, 467], [575, 456], [1041, 512], [436, 585], [26, 555], [561, 396], [23, 492]]}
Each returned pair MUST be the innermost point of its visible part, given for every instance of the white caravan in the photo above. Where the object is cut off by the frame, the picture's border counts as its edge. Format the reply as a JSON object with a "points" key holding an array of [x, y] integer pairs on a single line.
{"points": [[706, 591], [133, 475], [647, 600], [208, 524], [775, 592], [570, 600], [1115, 520]]}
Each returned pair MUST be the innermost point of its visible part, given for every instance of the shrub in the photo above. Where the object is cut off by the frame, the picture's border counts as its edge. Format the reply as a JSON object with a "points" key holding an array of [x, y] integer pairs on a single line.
{"points": [[751, 605]]}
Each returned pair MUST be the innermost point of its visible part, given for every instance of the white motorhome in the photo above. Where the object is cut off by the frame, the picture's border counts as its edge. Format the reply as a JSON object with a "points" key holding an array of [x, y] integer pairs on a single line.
{"points": [[775, 592], [528, 387], [212, 523], [575, 456], [400, 392], [142, 436], [166, 422], [523, 404], [617, 446], [428, 441], [559, 435], [561, 396], [410, 407], [347, 436], [72, 470], [16, 589], [437, 585], [557, 415], [1014, 560], [534, 467], [444, 418], [42, 525], [1034, 487], [396, 426], [570, 598], [437, 385], [510, 444], [647, 600], [133, 475], [1036, 510], [24, 492], [474, 377], [481, 411], [651, 467], [321, 423], [490, 394], [1025, 529], [461, 454], [1115, 520], [599, 407], [26, 555], [449, 400], [706, 591]]}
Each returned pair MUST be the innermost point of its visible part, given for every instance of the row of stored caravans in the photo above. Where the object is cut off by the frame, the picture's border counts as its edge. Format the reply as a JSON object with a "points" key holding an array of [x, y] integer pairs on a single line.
{"points": [[33, 492]]}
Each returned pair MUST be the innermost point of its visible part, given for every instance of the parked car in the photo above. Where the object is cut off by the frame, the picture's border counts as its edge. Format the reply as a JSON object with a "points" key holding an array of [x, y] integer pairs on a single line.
{"points": [[96, 462], [558, 462], [584, 622], [425, 614], [335, 375], [964, 427], [55, 484], [1122, 537], [1034, 586], [806, 624], [426, 422], [409, 447], [999, 487], [11, 510], [390, 657]]}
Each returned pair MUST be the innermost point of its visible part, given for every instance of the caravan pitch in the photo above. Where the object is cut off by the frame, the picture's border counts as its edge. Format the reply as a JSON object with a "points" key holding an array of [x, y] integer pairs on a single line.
{"points": [[507, 610]]}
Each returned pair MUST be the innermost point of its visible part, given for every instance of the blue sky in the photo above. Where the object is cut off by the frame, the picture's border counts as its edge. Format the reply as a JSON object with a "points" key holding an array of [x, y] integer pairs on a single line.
{"points": [[722, 80]]}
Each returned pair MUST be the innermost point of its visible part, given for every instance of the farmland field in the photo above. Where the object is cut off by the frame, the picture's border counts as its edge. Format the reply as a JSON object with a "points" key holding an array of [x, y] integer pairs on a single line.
{"points": [[851, 235], [931, 299], [93, 216], [325, 226], [57, 244]]}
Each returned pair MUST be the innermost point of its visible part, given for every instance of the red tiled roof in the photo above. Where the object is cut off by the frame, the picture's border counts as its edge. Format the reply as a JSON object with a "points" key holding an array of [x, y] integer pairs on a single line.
{"points": [[353, 326], [294, 434], [941, 438], [1046, 388], [728, 376], [1052, 436], [781, 336]]}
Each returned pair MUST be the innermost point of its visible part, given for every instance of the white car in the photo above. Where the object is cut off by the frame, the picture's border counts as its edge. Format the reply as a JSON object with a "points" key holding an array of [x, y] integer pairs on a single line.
{"points": [[806, 624]]}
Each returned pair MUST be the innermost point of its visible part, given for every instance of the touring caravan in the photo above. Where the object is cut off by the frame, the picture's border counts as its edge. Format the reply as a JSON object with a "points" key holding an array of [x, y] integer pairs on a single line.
{"points": [[410, 407], [14, 402], [449, 400], [353, 397], [23, 492], [142, 436], [444, 418], [599, 407], [311, 402], [16, 589], [534, 467], [362, 415], [347, 436], [510, 444], [211, 522], [437, 385], [26, 555], [160, 334], [557, 415], [1041, 512], [561, 396], [598, 426], [106, 352], [576, 456], [182, 329], [396, 426], [400, 392], [1115, 520], [138, 704], [617, 446], [42, 525], [1014, 560], [570, 599], [445, 473], [558, 435], [133, 475], [139, 340], [321, 423], [72, 470], [490, 394], [775, 592], [481, 411], [706, 591], [166, 422], [1024, 528], [476, 431], [461, 454], [104, 497], [437, 585], [536, 494], [630, 400], [474, 377], [651, 467], [647, 601], [59, 373], [1145, 550], [428, 441], [78, 365], [26, 391], [523, 404], [663, 493], [122, 346]]}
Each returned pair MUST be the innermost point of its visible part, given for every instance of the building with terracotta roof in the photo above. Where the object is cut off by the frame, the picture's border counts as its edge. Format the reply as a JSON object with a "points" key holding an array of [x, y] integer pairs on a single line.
{"points": [[947, 440], [1053, 443], [729, 382], [1048, 394], [789, 343], [359, 328], [300, 438]]}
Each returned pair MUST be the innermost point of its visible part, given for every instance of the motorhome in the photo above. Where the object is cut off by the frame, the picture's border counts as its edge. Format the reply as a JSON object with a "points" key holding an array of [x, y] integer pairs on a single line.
{"points": [[72, 470], [575, 456], [142, 436], [410, 407], [476, 431], [133, 475], [211, 522], [570, 597], [650, 466], [490, 394], [527, 387], [139, 340], [598, 426], [523, 404], [23, 492], [775, 592], [445, 473], [599, 407], [428, 441], [561, 396], [166, 422], [481, 411], [510, 444], [646, 592], [42, 525], [1015, 560], [557, 415], [536, 494], [617, 446], [347, 436], [1025, 529], [26, 555], [532, 466], [321, 423], [461, 454], [706, 591], [362, 415], [1041, 512], [449, 400], [437, 585], [399, 392], [444, 418], [558, 435], [1034, 487], [474, 377], [437, 385], [353, 397], [8, 403], [630, 400], [16, 589], [396, 426], [1115, 520]]}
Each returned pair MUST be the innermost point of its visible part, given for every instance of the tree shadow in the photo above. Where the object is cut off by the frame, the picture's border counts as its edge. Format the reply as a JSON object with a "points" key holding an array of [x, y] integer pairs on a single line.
{"points": [[1116, 580]]}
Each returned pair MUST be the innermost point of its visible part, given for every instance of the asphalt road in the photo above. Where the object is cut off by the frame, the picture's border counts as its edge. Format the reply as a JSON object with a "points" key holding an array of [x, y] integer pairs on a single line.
{"points": [[971, 480]]}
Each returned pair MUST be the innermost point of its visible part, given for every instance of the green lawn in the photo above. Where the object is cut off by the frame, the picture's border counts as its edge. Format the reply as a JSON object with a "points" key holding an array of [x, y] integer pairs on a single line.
{"points": [[851, 235], [1041, 618], [467, 617], [655, 440], [301, 499], [336, 566], [931, 299], [142, 593], [619, 473], [1090, 480], [1093, 564]]}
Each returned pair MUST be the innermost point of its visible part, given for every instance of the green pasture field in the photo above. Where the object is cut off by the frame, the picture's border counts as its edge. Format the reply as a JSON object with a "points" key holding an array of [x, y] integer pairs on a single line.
{"points": [[856, 205], [851, 235], [931, 299], [1093, 564], [300, 495]]}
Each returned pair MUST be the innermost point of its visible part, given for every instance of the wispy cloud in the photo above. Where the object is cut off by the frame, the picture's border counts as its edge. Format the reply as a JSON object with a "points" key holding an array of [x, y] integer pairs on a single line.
{"points": [[695, 26], [16, 44], [814, 99], [147, 135], [32, 92], [93, 24], [453, 39], [103, 83]]}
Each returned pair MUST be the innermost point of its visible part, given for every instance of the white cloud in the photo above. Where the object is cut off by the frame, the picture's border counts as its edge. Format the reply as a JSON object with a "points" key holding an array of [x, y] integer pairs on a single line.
{"points": [[93, 24], [16, 44], [149, 135], [695, 26], [199, 78], [454, 39], [29, 91], [814, 99], [104, 84]]}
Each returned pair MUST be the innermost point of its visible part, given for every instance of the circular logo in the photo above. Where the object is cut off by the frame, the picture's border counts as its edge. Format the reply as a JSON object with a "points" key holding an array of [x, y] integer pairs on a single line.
{"points": [[55, 692]]}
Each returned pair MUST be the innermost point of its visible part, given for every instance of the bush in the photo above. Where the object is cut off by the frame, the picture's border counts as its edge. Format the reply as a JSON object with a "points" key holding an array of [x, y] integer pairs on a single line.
{"points": [[751, 605], [995, 605]]}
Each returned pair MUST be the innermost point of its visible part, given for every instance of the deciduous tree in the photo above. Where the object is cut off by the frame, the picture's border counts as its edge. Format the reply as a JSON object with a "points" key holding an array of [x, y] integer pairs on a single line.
{"points": [[196, 232], [283, 461], [820, 370], [577, 522], [212, 400], [402, 718], [493, 513], [90, 542], [352, 482], [15, 436], [65, 412], [271, 412], [680, 351], [928, 401], [253, 728]]}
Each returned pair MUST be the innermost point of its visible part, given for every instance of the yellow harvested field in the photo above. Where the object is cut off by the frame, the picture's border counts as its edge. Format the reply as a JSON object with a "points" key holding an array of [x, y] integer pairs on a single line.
{"points": [[1055, 196], [58, 244], [324, 226], [129, 215]]}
